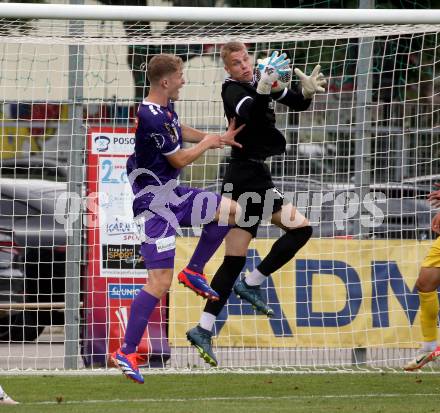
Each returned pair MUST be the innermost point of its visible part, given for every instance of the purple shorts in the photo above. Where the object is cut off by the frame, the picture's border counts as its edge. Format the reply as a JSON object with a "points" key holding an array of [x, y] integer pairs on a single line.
{"points": [[185, 207]]}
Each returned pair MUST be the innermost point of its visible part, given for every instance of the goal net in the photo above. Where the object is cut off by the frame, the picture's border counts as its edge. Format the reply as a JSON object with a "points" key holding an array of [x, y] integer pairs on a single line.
{"points": [[359, 164]]}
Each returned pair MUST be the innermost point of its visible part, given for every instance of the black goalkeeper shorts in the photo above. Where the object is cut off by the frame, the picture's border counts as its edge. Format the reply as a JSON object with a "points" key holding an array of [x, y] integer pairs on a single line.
{"points": [[250, 184]]}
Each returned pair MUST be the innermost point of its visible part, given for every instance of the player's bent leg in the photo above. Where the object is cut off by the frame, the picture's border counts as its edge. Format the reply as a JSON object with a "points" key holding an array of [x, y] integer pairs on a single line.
{"points": [[298, 232], [288, 218], [211, 238], [223, 282], [201, 339], [159, 281], [429, 307], [427, 284], [284, 249], [237, 243]]}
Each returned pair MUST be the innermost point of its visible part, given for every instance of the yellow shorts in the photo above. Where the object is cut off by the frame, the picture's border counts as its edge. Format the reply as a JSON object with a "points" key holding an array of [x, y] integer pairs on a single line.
{"points": [[432, 259]]}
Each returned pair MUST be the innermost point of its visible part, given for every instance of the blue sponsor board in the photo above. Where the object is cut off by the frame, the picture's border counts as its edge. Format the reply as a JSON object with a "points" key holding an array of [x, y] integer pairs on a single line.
{"points": [[123, 291]]}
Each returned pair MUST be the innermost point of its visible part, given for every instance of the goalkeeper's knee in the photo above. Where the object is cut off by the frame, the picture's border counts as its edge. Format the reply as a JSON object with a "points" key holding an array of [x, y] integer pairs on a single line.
{"points": [[298, 237]]}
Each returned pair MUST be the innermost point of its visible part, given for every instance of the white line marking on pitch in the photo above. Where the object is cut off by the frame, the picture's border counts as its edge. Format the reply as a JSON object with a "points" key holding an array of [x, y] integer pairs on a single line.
{"points": [[249, 398]]}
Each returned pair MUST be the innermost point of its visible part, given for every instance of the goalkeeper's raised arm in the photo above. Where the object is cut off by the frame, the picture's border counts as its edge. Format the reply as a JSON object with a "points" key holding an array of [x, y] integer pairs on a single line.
{"points": [[311, 84], [271, 81], [296, 100], [248, 96]]}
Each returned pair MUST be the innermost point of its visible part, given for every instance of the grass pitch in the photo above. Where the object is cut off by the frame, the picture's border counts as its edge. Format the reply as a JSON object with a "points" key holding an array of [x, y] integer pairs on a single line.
{"points": [[212, 393]]}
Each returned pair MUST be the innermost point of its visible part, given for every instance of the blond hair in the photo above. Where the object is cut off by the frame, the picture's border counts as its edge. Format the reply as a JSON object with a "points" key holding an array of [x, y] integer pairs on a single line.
{"points": [[231, 47], [162, 65]]}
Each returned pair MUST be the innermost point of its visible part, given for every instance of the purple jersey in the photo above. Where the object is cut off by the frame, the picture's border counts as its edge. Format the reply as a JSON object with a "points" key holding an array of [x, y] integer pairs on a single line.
{"points": [[158, 134]]}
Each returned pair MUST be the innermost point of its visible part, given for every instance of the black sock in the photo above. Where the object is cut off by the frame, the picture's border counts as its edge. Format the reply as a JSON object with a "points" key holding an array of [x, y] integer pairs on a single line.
{"points": [[223, 281], [284, 249]]}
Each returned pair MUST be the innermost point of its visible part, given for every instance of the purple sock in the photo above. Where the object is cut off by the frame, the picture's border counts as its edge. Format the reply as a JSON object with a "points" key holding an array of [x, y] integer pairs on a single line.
{"points": [[140, 311], [211, 238]]}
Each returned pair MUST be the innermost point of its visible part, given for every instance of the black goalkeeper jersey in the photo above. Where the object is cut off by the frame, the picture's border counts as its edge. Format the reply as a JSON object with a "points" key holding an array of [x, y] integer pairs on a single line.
{"points": [[260, 138]]}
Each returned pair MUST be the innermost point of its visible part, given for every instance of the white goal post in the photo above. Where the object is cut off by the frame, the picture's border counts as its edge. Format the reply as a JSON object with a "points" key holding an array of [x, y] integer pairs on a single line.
{"points": [[71, 79]]}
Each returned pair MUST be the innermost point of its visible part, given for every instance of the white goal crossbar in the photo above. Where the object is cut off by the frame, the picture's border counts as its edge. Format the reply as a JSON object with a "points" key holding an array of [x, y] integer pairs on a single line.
{"points": [[218, 14]]}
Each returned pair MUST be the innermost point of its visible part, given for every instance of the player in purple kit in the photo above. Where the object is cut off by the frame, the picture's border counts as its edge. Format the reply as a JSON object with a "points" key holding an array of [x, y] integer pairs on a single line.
{"points": [[161, 204]]}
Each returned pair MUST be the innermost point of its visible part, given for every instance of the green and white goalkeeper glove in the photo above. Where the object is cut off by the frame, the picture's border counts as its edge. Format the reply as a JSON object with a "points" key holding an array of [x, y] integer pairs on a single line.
{"points": [[313, 83], [271, 69]]}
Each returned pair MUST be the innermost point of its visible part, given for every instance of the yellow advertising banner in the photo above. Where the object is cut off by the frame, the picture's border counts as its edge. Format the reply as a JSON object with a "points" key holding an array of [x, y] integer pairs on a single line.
{"points": [[335, 293]]}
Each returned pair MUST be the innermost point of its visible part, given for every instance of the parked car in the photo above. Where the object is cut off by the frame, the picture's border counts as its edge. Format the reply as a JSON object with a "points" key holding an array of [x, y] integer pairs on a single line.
{"points": [[33, 167], [399, 211], [11, 289], [424, 182], [28, 206], [395, 190]]}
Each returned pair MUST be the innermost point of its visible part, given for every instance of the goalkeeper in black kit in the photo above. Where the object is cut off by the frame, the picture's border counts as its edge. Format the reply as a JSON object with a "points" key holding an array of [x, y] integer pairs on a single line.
{"points": [[249, 98]]}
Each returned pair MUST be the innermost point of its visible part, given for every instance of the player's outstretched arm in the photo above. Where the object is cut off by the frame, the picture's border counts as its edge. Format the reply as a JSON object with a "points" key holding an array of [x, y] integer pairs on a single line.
{"points": [[184, 157], [228, 138], [311, 84], [271, 72], [192, 135]]}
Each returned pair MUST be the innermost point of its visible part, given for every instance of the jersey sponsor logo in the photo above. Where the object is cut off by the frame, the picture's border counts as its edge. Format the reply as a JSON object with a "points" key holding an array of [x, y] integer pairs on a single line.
{"points": [[166, 244]]}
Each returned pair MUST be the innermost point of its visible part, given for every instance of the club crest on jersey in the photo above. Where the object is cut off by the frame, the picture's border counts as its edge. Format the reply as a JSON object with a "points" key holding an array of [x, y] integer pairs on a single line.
{"points": [[172, 131], [159, 140]]}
